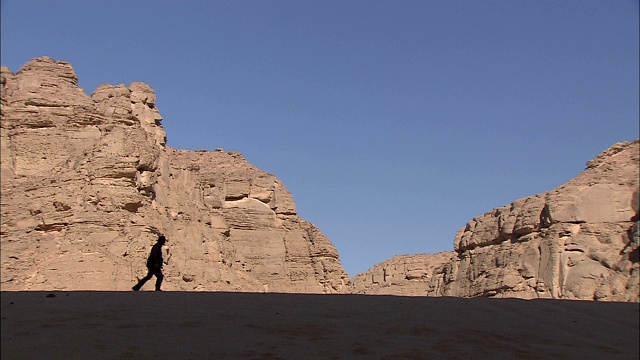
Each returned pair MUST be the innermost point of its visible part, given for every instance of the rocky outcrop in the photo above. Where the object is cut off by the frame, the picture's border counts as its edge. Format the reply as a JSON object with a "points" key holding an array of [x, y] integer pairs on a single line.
{"points": [[578, 241], [88, 183]]}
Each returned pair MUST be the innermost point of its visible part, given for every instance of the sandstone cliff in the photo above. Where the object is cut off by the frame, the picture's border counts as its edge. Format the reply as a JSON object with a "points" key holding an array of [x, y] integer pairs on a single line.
{"points": [[88, 183], [578, 241]]}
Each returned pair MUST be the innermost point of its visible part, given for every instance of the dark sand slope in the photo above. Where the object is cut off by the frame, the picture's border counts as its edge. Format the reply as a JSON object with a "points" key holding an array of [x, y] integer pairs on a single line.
{"points": [[188, 325]]}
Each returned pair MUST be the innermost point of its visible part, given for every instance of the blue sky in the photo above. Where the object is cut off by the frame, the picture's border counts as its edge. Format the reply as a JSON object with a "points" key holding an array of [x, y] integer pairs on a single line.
{"points": [[392, 123]]}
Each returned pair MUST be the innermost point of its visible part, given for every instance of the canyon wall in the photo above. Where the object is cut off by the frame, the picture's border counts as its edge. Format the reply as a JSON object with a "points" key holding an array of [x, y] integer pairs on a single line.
{"points": [[578, 241], [88, 183]]}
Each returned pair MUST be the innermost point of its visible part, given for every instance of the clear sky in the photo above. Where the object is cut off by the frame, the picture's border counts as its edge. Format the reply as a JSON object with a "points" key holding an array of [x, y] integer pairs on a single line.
{"points": [[392, 123]]}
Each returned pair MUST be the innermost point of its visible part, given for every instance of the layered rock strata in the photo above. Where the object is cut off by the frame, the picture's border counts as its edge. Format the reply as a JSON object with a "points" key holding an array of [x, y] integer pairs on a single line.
{"points": [[88, 183], [578, 241]]}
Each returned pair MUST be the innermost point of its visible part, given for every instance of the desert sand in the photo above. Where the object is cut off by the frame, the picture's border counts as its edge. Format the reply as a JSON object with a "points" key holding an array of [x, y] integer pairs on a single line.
{"points": [[215, 325]]}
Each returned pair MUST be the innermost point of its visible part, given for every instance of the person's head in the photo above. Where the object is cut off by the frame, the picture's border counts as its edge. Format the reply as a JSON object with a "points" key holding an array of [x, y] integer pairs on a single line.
{"points": [[162, 239]]}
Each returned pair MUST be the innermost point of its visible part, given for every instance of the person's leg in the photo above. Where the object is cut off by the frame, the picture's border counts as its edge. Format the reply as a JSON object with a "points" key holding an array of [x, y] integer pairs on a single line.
{"points": [[159, 277], [143, 280]]}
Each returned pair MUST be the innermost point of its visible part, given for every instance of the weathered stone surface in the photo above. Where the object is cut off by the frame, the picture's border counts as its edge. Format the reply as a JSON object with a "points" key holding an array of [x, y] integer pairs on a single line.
{"points": [[88, 183], [578, 241], [406, 275]]}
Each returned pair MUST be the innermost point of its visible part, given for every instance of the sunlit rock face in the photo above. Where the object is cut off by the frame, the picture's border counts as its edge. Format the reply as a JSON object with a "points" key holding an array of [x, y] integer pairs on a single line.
{"points": [[578, 241], [88, 183]]}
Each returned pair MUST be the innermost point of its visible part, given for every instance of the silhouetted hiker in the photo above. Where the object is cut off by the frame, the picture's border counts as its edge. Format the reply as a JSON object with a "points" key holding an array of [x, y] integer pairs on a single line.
{"points": [[154, 264]]}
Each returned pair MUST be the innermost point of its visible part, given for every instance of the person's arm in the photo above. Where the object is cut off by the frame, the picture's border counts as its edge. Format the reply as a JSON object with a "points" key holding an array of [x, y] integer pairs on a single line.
{"points": [[167, 255]]}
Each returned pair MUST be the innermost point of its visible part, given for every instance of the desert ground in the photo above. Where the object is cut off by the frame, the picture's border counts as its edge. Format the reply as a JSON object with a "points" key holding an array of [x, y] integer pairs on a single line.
{"points": [[215, 325]]}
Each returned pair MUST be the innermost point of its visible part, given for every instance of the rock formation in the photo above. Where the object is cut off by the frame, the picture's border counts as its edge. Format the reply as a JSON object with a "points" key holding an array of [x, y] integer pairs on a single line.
{"points": [[88, 183], [578, 241]]}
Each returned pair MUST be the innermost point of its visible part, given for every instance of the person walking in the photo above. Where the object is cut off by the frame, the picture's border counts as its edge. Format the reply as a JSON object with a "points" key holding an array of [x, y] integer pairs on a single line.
{"points": [[154, 265]]}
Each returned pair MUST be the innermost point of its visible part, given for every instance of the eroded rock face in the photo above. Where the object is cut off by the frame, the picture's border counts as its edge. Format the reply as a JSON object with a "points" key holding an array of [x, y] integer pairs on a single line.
{"points": [[88, 183], [578, 241]]}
